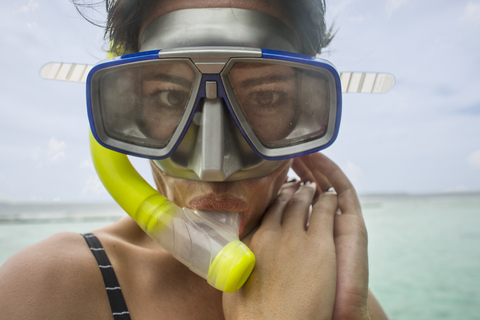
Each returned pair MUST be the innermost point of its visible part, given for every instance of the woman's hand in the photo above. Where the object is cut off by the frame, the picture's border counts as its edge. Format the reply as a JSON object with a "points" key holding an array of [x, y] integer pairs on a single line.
{"points": [[315, 273], [350, 236], [294, 275]]}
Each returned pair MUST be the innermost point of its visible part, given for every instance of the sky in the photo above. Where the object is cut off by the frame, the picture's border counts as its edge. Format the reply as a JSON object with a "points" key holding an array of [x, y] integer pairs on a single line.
{"points": [[423, 136]]}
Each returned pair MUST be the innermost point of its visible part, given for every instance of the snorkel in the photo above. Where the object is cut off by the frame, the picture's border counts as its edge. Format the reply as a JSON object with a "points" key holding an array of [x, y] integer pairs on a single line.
{"points": [[206, 242]]}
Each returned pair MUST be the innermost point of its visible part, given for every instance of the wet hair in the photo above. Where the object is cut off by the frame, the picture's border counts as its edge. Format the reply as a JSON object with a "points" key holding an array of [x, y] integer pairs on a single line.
{"points": [[125, 17]]}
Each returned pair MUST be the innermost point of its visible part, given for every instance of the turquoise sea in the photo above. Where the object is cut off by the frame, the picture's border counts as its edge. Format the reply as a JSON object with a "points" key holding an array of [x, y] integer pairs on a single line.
{"points": [[424, 250]]}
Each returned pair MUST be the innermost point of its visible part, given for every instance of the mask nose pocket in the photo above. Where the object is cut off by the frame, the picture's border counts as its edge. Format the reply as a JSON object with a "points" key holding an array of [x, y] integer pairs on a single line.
{"points": [[213, 148], [216, 153]]}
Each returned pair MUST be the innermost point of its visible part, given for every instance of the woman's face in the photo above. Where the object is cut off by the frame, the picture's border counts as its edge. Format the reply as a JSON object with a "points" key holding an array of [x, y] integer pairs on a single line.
{"points": [[250, 196]]}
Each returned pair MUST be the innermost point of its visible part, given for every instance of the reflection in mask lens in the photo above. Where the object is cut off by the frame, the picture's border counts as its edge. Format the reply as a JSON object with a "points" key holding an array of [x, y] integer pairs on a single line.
{"points": [[283, 105], [144, 104]]}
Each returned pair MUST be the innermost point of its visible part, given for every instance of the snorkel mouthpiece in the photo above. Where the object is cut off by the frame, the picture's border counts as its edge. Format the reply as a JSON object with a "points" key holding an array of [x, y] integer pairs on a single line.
{"points": [[205, 241]]}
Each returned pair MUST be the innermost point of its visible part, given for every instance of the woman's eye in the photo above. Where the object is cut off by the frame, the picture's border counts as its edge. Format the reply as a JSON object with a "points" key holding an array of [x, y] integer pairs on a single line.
{"points": [[265, 99], [171, 99], [174, 98]]}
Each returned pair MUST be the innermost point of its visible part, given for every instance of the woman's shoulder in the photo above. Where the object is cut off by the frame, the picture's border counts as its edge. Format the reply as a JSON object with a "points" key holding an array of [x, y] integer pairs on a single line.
{"points": [[55, 278]]}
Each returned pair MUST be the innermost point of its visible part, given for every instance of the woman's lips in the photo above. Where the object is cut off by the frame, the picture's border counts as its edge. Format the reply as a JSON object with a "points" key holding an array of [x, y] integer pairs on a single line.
{"points": [[218, 202], [221, 202]]}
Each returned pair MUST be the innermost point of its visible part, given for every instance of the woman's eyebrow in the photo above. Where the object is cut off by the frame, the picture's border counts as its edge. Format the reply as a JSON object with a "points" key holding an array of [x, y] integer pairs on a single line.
{"points": [[253, 82], [168, 78]]}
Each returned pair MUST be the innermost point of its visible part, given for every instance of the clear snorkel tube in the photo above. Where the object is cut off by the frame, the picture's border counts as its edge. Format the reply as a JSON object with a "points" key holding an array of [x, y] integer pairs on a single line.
{"points": [[206, 242]]}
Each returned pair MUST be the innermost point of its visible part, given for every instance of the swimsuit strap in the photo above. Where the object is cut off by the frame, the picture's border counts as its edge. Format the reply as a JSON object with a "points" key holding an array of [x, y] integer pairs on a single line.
{"points": [[114, 292]]}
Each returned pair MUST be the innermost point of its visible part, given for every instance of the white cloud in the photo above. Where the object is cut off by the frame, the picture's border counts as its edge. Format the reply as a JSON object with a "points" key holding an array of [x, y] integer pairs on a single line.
{"points": [[394, 5], [93, 184], [359, 18], [8, 198], [3, 179], [31, 6], [339, 8], [57, 199], [471, 14], [56, 150], [474, 159], [86, 163], [36, 153], [460, 188]]}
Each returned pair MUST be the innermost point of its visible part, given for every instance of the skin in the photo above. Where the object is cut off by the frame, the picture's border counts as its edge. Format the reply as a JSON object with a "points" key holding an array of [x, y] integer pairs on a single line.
{"points": [[319, 272]]}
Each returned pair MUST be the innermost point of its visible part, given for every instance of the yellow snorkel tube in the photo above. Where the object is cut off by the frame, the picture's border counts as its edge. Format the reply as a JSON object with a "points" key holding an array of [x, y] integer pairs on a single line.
{"points": [[206, 242]]}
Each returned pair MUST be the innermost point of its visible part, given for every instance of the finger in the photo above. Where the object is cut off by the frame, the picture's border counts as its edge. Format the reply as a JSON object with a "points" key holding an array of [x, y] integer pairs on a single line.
{"points": [[306, 174], [323, 213], [296, 211], [324, 168], [350, 238], [351, 244], [301, 170], [274, 214]]}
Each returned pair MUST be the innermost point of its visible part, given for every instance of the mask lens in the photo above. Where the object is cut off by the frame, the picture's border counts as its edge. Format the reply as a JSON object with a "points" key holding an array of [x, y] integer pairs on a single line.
{"points": [[283, 105], [143, 104]]}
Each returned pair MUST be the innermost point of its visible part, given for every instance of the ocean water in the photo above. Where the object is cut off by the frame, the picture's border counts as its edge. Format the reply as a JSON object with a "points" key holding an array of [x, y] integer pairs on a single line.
{"points": [[424, 250], [424, 255], [23, 224]]}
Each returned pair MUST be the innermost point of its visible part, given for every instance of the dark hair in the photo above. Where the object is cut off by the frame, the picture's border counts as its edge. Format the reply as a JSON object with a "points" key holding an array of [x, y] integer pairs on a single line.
{"points": [[124, 19]]}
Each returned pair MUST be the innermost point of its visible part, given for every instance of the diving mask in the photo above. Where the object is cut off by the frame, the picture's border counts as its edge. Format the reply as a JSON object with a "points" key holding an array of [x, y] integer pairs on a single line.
{"points": [[215, 113]]}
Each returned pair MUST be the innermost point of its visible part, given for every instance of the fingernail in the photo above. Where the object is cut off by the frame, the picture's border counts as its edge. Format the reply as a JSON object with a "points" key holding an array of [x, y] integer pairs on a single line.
{"points": [[338, 212], [331, 190]]}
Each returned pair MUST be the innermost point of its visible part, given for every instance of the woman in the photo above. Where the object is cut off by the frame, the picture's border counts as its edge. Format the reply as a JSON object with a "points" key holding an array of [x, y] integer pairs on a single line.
{"points": [[319, 272]]}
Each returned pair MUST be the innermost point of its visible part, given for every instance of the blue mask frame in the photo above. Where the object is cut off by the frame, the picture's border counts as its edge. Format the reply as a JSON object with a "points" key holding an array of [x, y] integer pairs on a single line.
{"points": [[233, 53]]}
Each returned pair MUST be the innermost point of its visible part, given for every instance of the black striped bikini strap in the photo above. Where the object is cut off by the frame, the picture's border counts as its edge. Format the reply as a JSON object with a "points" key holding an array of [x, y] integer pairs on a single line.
{"points": [[114, 292]]}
